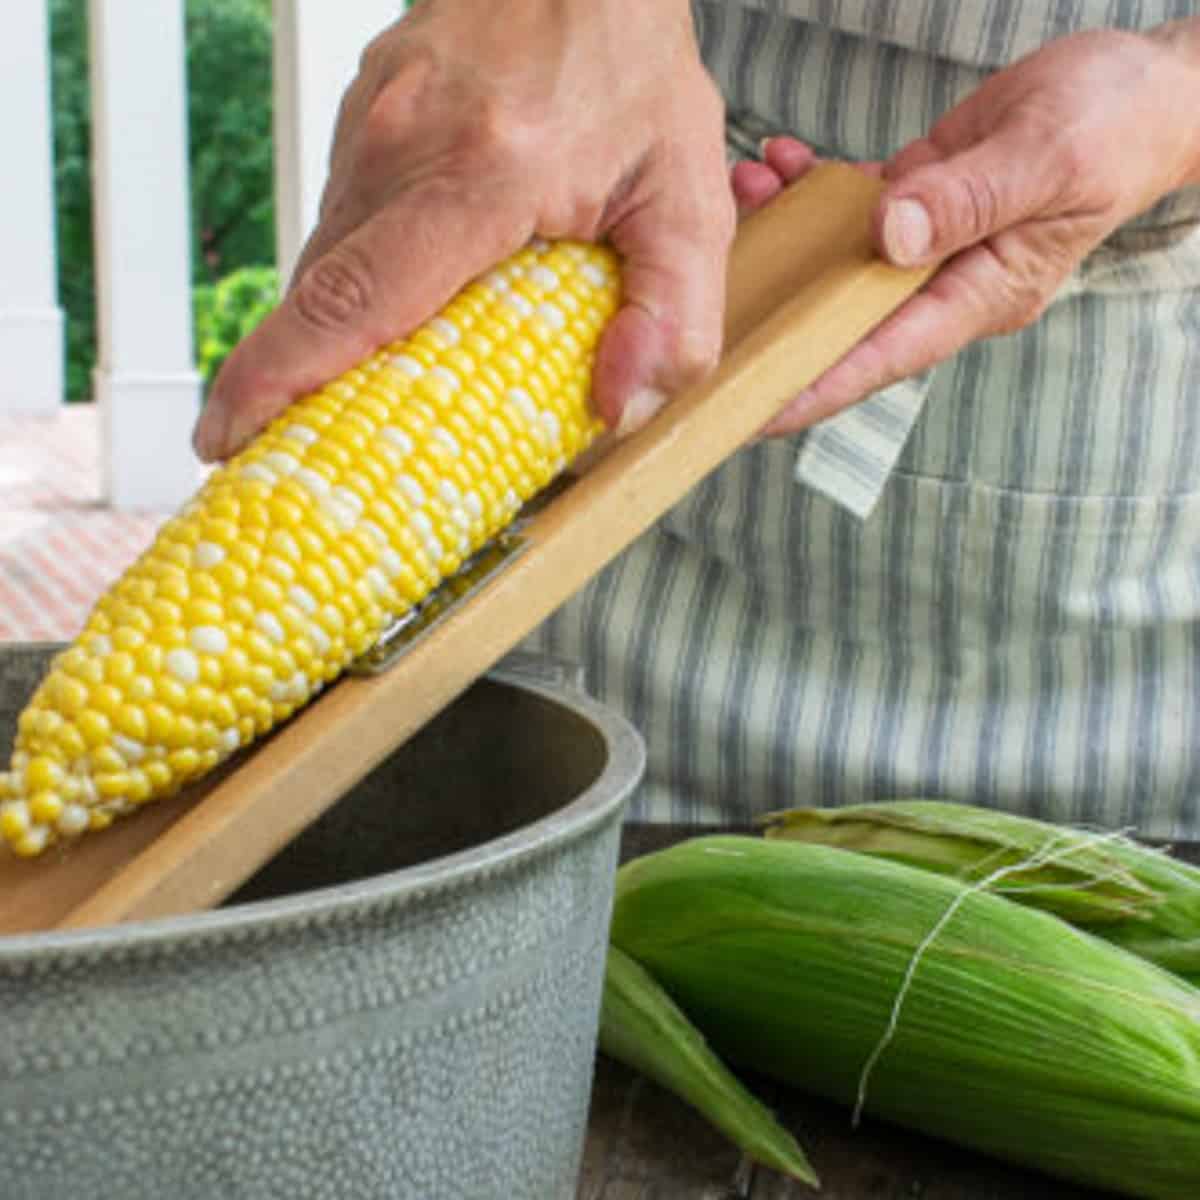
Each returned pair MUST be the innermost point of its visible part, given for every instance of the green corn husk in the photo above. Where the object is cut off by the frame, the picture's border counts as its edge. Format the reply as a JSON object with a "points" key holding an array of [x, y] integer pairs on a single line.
{"points": [[1019, 1035], [643, 1028], [1134, 896]]}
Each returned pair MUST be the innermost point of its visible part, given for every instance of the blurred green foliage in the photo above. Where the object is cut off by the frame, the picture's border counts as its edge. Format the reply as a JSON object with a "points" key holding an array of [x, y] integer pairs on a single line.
{"points": [[229, 125], [227, 310], [72, 183]]}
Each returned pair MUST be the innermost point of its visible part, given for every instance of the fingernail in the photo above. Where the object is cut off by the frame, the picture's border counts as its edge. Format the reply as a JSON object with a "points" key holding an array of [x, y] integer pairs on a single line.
{"points": [[212, 432], [640, 407], [763, 143], [239, 429], [907, 233]]}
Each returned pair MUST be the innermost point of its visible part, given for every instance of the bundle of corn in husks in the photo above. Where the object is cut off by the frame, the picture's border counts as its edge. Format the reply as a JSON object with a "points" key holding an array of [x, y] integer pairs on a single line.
{"points": [[1130, 894], [928, 1002]]}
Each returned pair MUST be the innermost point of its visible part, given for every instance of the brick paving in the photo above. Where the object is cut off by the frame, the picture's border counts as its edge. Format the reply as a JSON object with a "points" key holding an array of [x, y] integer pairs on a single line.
{"points": [[60, 546]]}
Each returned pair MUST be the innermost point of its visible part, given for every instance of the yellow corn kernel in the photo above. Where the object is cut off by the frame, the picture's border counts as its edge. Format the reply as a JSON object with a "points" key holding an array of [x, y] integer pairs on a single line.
{"points": [[45, 807], [15, 820]]}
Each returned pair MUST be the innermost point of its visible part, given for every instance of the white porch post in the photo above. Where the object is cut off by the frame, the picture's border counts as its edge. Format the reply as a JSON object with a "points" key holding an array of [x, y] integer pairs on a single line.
{"points": [[31, 343], [145, 381], [317, 47]]}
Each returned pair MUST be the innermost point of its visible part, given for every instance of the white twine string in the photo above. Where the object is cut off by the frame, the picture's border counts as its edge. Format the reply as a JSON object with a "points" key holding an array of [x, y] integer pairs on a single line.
{"points": [[1044, 856]]}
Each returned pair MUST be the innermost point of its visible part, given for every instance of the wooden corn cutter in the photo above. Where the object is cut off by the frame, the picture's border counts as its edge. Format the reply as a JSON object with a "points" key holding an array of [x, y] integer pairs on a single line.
{"points": [[804, 286]]}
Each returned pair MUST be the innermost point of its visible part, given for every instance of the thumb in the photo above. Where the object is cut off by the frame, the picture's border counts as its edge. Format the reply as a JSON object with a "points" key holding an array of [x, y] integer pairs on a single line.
{"points": [[668, 330], [958, 200], [376, 284]]}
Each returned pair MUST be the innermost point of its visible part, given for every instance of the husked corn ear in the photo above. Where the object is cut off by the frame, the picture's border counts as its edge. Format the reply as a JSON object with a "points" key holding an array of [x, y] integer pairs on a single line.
{"points": [[294, 557]]}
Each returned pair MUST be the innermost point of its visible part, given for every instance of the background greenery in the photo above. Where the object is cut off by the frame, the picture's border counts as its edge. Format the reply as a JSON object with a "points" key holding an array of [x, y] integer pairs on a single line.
{"points": [[233, 215]]}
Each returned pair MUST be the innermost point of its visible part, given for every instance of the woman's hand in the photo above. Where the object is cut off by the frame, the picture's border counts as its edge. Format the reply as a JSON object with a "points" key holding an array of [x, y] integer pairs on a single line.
{"points": [[470, 128], [1012, 189]]}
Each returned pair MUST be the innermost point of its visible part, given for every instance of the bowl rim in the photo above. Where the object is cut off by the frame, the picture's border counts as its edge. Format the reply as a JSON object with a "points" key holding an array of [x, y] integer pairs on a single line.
{"points": [[599, 803]]}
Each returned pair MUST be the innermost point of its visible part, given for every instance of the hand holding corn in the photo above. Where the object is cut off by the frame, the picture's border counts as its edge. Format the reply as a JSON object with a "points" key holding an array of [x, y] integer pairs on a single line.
{"points": [[472, 127], [293, 558], [467, 128]]}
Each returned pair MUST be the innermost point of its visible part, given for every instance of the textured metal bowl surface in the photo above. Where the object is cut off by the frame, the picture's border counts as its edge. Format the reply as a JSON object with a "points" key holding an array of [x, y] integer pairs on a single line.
{"points": [[403, 1004]]}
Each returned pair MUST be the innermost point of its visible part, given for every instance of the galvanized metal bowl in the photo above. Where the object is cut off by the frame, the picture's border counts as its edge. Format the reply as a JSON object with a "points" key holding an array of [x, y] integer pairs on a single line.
{"points": [[403, 1004]]}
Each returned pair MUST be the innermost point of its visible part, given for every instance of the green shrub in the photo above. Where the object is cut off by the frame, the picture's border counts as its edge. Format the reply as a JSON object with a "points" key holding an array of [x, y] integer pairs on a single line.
{"points": [[228, 310], [73, 190], [230, 151]]}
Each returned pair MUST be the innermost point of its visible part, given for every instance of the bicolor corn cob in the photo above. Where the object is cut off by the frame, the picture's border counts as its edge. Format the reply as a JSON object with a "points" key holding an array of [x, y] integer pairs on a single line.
{"points": [[941, 1007], [296, 555], [1132, 895]]}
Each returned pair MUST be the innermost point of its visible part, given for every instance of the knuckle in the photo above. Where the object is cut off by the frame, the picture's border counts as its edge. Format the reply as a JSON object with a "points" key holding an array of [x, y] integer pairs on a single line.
{"points": [[920, 153], [497, 139], [1081, 186], [1072, 157], [398, 52], [336, 292], [1025, 304], [376, 57], [695, 350], [384, 120], [977, 203], [564, 213], [1027, 280], [389, 111], [698, 354], [381, 54]]}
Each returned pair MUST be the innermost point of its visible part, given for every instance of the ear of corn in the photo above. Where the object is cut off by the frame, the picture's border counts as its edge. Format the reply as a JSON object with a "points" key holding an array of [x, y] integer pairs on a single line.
{"points": [[1018, 1034], [1131, 895], [294, 557], [642, 1027]]}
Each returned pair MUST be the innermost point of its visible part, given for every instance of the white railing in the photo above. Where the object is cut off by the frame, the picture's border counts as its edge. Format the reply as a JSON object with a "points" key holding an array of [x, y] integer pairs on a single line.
{"points": [[145, 380]]}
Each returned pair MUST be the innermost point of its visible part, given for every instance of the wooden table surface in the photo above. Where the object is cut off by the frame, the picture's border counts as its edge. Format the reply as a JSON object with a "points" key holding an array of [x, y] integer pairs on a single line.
{"points": [[644, 1144]]}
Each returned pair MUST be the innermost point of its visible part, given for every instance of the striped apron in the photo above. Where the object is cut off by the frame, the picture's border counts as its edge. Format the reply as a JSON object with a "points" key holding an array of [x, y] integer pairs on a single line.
{"points": [[982, 585]]}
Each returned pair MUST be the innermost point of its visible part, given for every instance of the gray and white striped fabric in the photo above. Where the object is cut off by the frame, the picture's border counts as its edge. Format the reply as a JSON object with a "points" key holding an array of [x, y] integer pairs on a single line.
{"points": [[990, 589]]}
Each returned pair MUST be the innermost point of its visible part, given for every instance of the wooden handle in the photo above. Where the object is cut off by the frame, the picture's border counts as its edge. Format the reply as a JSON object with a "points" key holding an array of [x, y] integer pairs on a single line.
{"points": [[804, 287]]}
